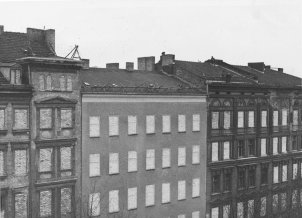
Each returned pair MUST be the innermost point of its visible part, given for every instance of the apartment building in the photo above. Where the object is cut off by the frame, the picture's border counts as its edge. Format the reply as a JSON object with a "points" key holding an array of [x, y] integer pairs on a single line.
{"points": [[144, 143], [253, 138]]}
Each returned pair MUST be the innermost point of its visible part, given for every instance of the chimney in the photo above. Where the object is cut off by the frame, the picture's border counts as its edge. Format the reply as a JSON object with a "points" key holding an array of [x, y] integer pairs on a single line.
{"points": [[257, 65], [1, 29], [48, 36], [146, 63], [85, 63], [280, 70], [50, 39], [267, 67], [129, 66], [167, 59], [112, 65]]}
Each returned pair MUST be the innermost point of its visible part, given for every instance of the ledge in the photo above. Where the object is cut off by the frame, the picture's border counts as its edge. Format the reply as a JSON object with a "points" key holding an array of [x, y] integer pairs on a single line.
{"points": [[58, 181]]}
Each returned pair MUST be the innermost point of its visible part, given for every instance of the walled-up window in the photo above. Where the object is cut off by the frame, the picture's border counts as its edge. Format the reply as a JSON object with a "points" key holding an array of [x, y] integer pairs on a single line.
{"points": [[166, 119], [94, 126], [94, 204], [150, 124], [20, 118], [150, 193], [181, 194], [20, 162], [46, 203], [113, 201], [181, 123], [165, 198], [166, 158], [132, 198], [196, 122], [20, 204], [2, 119], [195, 187], [150, 159], [94, 165], [132, 123]]}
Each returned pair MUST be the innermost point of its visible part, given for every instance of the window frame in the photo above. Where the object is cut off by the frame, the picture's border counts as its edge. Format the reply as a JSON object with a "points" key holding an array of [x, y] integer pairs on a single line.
{"points": [[19, 107]]}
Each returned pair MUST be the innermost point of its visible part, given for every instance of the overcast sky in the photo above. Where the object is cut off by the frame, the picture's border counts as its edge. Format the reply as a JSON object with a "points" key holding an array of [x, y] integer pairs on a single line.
{"points": [[237, 31]]}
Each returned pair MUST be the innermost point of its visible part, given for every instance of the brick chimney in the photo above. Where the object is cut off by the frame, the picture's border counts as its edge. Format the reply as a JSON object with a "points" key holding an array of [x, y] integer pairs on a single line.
{"points": [[167, 59], [129, 66], [112, 65], [48, 36], [257, 65], [1, 29], [146, 63]]}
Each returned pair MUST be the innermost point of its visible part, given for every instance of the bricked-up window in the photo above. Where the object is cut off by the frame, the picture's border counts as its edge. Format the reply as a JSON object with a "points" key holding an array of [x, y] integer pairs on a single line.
{"points": [[166, 123], [196, 122], [69, 83], [113, 163], [227, 119], [240, 117], [21, 118], [2, 119], [66, 118], [94, 165], [251, 147], [62, 83], [46, 163], [20, 162], [150, 124], [262, 206], [45, 118], [132, 198], [264, 118], [214, 151], [132, 161], [66, 160], [226, 150], [240, 210], [295, 170], [275, 145], [181, 193], [264, 174], [166, 158], [94, 204], [276, 174], [215, 120], [215, 212], [113, 125], [263, 147], [113, 201], [284, 117], [275, 118], [48, 83], [132, 122], [150, 159], [275, 203], [20, 204], [283, 144], [66, 195], [226, 211], [240, 148], [150, 193], [195, 187], [165, 197], [181, 156], [195, 154], [216, 182], [250, 208], [295, 117], [241, 177], [94, 126], [251, 119], [45, 203], [181, 123], [2, 163]]}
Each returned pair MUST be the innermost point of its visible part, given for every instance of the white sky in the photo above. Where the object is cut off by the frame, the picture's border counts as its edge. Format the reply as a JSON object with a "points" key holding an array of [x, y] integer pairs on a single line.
{"points": [[237, 31]]}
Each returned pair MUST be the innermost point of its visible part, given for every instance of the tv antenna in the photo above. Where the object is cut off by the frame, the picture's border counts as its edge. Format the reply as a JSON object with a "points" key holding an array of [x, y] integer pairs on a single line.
{"points": [[74, 53]]}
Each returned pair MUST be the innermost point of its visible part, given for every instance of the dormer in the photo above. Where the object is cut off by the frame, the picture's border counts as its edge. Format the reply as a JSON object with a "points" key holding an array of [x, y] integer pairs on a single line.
{"points": [[12, 72]]}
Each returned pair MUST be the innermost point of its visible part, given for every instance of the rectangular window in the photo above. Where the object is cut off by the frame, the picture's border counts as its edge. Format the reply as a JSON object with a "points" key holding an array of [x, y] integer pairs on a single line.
{"points": [[215, 120], [69, 83], [181, 190], [21, 119], [284, 142], [66, 194], [263, 147], [165, 198], [252, 177], [275, 145], [166, 158], [226, 119], [275, 203], [241, 178], [284, 173], [226, 150], [113, 201], [294, 143], [263, 118], [181, 123], [132, 198], [263, 206], [20, 161], [283, 201], [2, 163], [284, 117], [45, 118], [181, 156], [196, 214], [150, 159], [241, 150], [240, 210], [113, 163], [294, 198], [62, 83], [150, 124], [252, 147], [264, 174], [45, 162], [45, 203], [132, 161], [94, 165], [2, 118], [250, 209], [94, 126], [132, 125], [240, 119], [48, 83], [226, 211], [214, 151], [215, 212], [276, 174], [275, 118], [227, 181], [195, 154], [196, 122], [150, 193], [216, 183], [66, 161], [251, 121], [20, 205], [113, 126], [66, 118], [166, 119], [295, 171], [295, 118], [41, 83], [195, 187]]}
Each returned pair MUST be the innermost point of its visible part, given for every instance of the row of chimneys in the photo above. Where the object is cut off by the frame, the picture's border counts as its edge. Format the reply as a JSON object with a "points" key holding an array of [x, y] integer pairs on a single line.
{"points": [[261, 66]]}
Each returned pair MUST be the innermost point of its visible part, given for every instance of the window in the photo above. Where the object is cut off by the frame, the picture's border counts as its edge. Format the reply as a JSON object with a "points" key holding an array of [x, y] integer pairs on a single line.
{"points": [[181, 216], [41, 83], [113, 126], [113, 163], [195, 154], [295, 170], [66, 118], [195, 122], [3, 203], [195, 187], [132, 125], [263, 147], [165, 198], [284, 143], [45, 118], [294, 198], [251, 147], [216, 183], [15, 76], [66, 156], [166, 123], [240, 210], [227, 181], [263, 118], [284, 172], [181, 156], [284, 117], [181, 123], [45, 163], [95, 204], [20, 162], [20, 119], [113, 201], [241, 178], [275, 145], [150, 192], [2, 119], [252, 177], [262, 206], [150, 124], [215, 120], [45, 203], [240, 119], [294, 143], [62, 83], [150, 159], [215, 212], [250, 209], [2, 163], [275, 203], [283, 201], [132, 161], [195, 214], [214, 151], [251, 117], [226, 119], [94, 165], [48, 82], [226, 150], [264, 174], [94, 126], [276, 174], [166, 160], [241, 148], [295, 118], [66, 194], [275, 118], [69, 83], [20, 205], [181, 190], [132, 198]]}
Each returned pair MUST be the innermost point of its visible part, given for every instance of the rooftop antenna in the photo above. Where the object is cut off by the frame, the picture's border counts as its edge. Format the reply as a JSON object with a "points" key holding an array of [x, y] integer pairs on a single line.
{"points": [[74, 53]]}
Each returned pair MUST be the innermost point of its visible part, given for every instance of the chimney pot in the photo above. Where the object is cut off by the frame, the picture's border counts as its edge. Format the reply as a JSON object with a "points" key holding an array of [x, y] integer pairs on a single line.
{"points": [[112, 65], [1, 29], [129, 66]]}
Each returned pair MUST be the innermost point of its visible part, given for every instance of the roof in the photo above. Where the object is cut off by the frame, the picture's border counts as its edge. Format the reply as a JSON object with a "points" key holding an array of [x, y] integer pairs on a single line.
{"points": [[14, 45], [3, 80]]}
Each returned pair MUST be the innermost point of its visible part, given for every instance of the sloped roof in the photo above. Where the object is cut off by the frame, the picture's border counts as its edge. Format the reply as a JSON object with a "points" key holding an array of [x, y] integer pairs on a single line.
{"points": [[3, 80]]}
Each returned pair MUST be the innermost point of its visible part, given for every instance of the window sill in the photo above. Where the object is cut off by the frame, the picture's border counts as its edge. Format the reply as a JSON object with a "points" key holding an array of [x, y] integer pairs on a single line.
{"points": [[53, 90], [215, 194], [20, 131]]}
